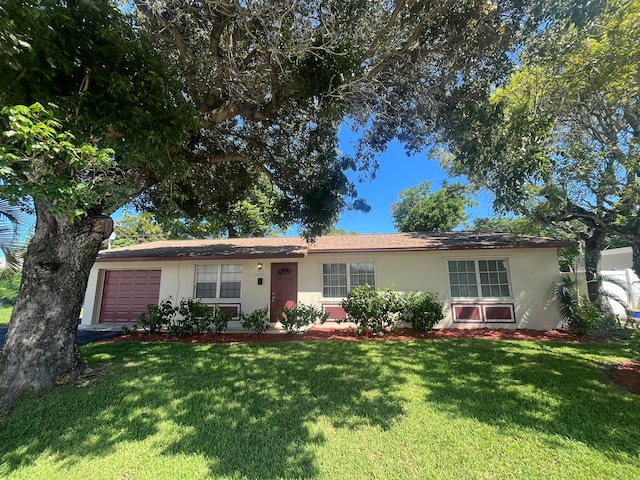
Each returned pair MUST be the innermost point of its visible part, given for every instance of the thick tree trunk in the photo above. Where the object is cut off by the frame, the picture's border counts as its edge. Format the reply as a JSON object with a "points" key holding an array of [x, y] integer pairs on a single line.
{"points": [[592, 255], [40, 348]]}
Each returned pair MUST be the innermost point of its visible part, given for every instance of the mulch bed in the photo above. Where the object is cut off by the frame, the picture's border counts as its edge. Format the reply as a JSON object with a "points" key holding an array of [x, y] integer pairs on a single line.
{"points": [[349, 334], [626, 375]]}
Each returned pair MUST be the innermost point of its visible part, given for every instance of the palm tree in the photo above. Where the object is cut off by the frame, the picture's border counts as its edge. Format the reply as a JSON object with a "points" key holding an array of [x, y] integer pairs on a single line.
{"points": [[13, 222]]}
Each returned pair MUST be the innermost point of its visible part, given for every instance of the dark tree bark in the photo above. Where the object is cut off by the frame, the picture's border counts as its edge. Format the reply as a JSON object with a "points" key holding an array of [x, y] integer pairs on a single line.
{"points": [[593, 246], [635, 248], [40, 348]]}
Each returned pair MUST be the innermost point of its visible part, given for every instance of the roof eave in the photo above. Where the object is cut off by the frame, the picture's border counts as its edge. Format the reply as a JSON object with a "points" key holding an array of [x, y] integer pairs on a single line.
{"points": [[440, 247], [179, 258]]}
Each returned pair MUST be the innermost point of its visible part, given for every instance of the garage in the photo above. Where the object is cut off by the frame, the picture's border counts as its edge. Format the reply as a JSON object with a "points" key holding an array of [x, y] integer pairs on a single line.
{"points": [[126, 294]]}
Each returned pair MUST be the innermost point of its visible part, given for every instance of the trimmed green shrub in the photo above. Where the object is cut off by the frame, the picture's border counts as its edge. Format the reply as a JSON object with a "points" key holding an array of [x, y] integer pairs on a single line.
{"points": [[422, 310], [157, 316], [300, 316], [126, 330], [375, 309], [221, 320], [196, 317], [255, 321]]}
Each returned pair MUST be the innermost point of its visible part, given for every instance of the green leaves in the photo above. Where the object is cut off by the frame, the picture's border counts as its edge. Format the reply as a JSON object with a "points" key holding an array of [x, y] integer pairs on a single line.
{"points": [[560, 141], [40, 161], [420, 210]]}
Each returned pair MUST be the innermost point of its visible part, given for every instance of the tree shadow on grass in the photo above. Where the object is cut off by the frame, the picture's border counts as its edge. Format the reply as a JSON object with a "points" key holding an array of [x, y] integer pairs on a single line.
{"points": [[554, 389], [246, 408]]}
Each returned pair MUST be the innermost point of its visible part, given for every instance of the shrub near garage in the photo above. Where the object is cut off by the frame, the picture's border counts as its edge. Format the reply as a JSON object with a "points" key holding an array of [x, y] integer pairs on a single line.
{"points": [[157, 316], [9, 287]]}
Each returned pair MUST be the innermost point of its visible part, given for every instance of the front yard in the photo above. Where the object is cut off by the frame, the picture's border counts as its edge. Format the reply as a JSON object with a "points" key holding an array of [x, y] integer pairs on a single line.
{"points": [[393, 409]]}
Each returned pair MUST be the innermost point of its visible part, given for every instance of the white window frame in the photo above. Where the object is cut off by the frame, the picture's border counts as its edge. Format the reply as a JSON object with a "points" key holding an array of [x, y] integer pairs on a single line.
{"points": [[479, 284], [218, 280], [348, 274]]}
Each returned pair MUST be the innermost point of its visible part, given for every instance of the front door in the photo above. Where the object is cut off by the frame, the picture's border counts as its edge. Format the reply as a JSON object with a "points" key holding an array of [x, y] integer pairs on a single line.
{"points": [[284, 287]]}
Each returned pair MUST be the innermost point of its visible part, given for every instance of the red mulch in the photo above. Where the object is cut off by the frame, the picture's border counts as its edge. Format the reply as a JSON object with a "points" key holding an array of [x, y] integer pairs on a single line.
{"points": [[349, 334], [626, 374]]}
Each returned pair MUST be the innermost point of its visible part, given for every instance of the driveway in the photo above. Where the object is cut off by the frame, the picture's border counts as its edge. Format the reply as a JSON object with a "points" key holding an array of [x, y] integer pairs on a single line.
{"points": [[84, 336]]}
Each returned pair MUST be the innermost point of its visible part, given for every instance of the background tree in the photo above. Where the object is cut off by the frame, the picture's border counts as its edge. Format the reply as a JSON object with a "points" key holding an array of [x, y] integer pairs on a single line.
{"points": [[13, 224], [135, 229], [525, 226], [271, 82], [334, 230], [252, 216], [560, 142], [420, 210]]}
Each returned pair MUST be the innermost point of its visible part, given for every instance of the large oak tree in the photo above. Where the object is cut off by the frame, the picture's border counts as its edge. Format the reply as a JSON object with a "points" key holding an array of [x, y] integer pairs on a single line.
{"points": [[270, 83]]}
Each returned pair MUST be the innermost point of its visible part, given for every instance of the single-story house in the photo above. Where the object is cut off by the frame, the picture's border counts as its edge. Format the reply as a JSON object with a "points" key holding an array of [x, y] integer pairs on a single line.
{"points": [[485, 280]]}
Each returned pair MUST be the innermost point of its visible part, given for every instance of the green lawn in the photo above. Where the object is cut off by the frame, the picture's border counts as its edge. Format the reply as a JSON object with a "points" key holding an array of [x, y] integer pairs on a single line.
{"points": [[5, 315], [422, 409]]}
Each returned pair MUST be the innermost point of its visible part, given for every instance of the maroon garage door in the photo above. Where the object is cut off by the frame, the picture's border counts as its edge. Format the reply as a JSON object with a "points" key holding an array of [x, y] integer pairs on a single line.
{"points": [[127, 293]]}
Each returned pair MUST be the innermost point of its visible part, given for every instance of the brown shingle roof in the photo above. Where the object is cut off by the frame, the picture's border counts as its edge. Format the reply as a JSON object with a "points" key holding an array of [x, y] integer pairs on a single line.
{"points": [[429, 241], [268, 247], [283, 247]]}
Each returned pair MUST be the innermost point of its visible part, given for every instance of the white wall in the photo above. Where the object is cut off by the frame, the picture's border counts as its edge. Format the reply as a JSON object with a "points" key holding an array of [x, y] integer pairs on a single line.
{"points": [[616, 259], [532, 273], [619, 279]]}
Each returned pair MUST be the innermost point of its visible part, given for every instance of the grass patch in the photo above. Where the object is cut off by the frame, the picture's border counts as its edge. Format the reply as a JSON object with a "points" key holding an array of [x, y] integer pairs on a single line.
{"points": [[420, 409], [5, 315]]}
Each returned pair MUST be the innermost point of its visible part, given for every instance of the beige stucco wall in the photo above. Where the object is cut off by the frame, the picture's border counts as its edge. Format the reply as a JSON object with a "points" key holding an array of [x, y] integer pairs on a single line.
{"points": [[177, 282], [532, 273]]}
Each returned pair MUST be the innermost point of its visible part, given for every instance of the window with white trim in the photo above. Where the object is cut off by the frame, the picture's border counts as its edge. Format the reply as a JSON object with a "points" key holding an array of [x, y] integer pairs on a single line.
{"points": [[479, 278], [339, 278], [218, 281]]}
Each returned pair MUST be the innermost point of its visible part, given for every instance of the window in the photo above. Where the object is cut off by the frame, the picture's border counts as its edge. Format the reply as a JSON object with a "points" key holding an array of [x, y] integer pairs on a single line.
{"points": [[339, 278], [218, 281], [479, 278]]}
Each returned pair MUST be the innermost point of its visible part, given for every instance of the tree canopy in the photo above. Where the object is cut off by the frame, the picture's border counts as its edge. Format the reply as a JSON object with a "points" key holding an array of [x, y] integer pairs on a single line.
{"points": [[135, 229], [273, 82], [420, 210], [560, 141]]}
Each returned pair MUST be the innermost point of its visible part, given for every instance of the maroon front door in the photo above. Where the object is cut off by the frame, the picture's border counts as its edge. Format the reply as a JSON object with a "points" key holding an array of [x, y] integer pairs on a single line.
{"points": [[284, 287]]}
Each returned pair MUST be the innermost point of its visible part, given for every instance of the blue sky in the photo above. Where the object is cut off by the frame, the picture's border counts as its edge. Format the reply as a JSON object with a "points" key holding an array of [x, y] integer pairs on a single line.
{"points": [[397, 171]]}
